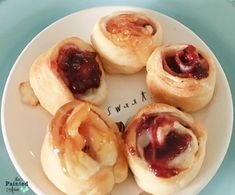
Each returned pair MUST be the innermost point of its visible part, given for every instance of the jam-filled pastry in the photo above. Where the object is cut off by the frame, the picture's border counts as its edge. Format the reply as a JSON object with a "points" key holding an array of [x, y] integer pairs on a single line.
{"points": [[82, 152], [69, 70], [182, 76], [125, 40], [165, 148]]}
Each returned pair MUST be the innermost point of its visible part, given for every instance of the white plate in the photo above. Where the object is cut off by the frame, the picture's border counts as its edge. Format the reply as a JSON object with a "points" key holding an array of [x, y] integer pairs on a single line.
{"points": [[24, 127]]}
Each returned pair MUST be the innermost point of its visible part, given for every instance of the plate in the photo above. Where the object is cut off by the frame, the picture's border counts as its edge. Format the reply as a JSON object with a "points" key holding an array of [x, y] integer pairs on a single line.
{"points": [[24, 127]]}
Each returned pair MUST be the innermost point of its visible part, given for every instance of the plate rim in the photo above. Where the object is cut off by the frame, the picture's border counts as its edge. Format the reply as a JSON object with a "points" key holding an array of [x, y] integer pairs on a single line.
{"points": [[15, 163]]}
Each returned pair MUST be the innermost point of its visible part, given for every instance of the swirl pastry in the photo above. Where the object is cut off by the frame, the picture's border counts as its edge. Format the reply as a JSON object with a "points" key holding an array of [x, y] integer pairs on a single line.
{"points": [[165, 148], [82, 151], [125, 40], [182, 76], [70, 70]]}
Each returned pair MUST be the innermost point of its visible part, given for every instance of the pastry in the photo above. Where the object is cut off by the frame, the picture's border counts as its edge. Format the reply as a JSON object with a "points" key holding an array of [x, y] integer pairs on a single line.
{"points": [[82, 152], [27, 95], [69, 70], [182, 76], [165, 148], [125, 40]]}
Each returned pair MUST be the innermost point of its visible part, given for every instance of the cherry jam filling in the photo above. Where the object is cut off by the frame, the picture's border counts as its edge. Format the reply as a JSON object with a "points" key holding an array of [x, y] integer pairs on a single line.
{"points": [[79, 69], [186, 63], [129, 24], [158, 153]]}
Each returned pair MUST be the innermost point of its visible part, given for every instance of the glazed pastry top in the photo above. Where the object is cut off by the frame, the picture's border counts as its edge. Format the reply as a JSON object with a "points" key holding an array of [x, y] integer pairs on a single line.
{"points": [[130, 29]]}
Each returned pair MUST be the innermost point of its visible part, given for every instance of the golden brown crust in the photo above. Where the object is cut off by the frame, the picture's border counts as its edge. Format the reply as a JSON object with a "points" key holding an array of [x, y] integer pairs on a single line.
{"points": [[49, 87], [188, 94], [77, 170], [128, 57], [144, 177]]}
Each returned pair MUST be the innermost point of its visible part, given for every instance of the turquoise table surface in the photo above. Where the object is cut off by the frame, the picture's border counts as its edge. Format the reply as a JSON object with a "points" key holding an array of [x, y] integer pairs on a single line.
{"points": [[212, 20]]}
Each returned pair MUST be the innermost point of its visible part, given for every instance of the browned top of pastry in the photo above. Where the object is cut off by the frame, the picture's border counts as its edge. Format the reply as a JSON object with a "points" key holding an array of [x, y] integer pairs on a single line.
{"points": [[78, 127], [130, 24], [130, 28]]}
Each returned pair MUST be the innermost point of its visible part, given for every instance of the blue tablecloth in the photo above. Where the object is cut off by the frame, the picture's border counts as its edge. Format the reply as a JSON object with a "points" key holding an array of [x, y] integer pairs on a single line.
{"points": [[212, 20]]}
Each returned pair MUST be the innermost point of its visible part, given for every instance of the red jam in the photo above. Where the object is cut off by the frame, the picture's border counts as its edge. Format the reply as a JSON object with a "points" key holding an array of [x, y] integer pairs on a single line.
{"points": [[132, 151], [186, 63], [157, 154], [129, 24], [79, 69]]}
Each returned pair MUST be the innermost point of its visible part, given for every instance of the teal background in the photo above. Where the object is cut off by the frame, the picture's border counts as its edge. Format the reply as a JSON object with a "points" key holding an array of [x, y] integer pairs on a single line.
{"points": [[212, 20]]}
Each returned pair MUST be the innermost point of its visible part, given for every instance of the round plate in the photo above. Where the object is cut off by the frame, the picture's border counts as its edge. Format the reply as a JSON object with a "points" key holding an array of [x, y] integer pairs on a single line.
{"points": [[24, 127]]}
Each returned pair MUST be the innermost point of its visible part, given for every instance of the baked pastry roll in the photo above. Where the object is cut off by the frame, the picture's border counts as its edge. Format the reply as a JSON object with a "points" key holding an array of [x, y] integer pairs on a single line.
{"points": [[82, 152], [125, 40], [165, 148], [182, 76], [69, 70]]}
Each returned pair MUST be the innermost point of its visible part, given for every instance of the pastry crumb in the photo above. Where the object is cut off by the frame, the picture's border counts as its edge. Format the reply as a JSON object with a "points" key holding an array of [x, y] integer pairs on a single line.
{"points": [[27, 94]]}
